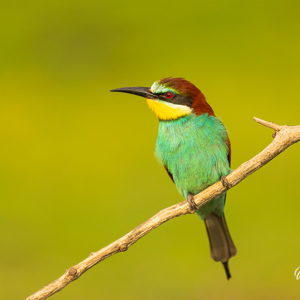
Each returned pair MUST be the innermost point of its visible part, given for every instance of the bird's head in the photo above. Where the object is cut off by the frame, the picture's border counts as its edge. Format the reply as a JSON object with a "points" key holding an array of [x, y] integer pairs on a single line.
{"points": [[172, 98]]}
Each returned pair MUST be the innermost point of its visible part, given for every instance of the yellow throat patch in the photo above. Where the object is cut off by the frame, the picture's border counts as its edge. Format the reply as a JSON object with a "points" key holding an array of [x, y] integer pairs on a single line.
{"points": [[168, 111]]}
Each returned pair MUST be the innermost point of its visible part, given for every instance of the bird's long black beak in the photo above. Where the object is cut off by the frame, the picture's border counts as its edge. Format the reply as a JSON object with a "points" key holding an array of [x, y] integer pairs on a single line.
{"points": [[137, 90]]}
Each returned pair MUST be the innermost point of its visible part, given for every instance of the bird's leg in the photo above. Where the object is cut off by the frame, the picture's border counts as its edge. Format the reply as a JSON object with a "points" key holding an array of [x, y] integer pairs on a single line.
{"points": [[225, 183], [191, 202]]}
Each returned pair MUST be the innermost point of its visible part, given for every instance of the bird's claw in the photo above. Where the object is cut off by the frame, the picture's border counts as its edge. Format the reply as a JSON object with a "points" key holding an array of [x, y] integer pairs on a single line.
{"points": [[191, 202], [225, 183]]}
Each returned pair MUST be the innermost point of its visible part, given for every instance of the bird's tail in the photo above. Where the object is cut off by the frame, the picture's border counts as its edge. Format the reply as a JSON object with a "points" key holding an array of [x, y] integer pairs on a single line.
{"points": [[221, 245]]}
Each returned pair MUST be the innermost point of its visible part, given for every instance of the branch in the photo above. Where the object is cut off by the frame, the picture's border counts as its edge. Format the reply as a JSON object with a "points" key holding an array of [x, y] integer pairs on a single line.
{"points": [[285, 136]]}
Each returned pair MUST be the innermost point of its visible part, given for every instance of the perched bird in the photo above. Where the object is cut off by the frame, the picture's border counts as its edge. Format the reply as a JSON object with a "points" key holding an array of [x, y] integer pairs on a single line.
{"points": [[194, 148]]}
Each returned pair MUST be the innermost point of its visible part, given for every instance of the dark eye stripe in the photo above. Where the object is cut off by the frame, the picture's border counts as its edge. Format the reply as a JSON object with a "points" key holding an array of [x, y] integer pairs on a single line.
{"points": [[175, 99], [178, 99]]}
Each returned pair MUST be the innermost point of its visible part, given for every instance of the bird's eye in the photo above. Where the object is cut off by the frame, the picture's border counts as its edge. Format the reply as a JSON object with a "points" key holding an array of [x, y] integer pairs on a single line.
{"points": [[169, 95]]}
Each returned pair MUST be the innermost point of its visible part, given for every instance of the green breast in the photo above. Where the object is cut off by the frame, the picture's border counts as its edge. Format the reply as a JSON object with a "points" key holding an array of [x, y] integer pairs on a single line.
{"points": [[194, 150]]}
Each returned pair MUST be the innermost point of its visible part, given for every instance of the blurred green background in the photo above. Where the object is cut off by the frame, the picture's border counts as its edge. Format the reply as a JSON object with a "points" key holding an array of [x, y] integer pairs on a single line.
{"points": [[76, 161]]}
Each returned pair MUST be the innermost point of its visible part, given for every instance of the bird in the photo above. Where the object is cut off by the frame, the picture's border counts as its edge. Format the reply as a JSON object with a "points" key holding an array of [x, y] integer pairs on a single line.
{"points": [[194, 148]]}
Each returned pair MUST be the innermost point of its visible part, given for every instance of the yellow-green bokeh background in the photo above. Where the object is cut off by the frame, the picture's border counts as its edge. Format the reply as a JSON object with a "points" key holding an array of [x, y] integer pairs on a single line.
{"points": [[76, 161]]}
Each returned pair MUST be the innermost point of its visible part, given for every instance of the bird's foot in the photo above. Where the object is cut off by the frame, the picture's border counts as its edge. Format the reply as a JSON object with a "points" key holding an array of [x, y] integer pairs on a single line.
{"points": [[225, 183], [191, 202]]}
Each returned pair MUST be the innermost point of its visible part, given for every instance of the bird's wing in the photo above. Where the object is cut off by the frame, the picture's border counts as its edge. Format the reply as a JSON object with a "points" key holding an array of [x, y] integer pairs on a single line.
{"points": [[228, 156]]}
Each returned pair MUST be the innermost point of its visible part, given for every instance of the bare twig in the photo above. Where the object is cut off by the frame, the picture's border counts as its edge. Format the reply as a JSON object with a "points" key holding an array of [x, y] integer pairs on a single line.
{"points": [[285, 137], [267, 124]]}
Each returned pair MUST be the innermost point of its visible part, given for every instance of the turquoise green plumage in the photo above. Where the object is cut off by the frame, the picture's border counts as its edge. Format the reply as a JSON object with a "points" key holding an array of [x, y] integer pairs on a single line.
{"points": [[194, 148]]}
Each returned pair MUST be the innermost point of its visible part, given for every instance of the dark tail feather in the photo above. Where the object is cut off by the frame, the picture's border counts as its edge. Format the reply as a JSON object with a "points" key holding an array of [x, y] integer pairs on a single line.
{"points": [[221, 245], [226, 267]]}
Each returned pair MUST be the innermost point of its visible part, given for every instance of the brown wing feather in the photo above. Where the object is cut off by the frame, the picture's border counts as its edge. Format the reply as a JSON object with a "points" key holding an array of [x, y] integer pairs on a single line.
{"points": [[169, 173], [229, 150]]}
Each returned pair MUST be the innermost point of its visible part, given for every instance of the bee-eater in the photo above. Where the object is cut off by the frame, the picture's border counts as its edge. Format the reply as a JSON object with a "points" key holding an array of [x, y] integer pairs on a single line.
{"points": [[194, 147]]}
